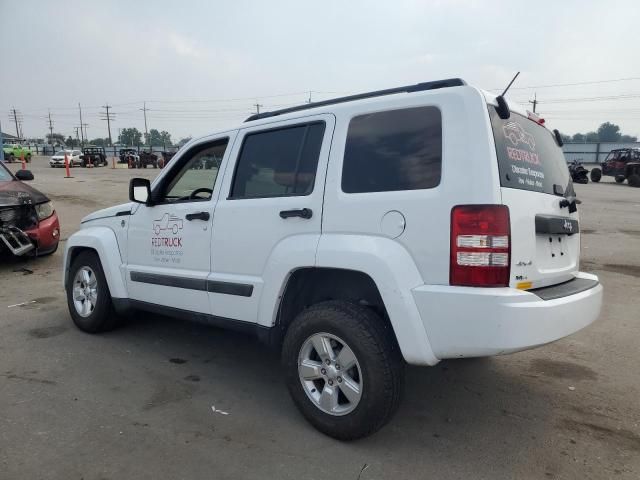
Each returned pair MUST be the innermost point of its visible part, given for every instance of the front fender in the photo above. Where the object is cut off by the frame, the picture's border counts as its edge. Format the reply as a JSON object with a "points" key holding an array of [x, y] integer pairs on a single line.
{"points": [[395, 274], [103, 241]]}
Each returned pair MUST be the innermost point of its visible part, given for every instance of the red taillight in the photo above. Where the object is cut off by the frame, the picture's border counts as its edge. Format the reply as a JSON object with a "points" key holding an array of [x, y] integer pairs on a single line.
{"points": [[480, 246]]}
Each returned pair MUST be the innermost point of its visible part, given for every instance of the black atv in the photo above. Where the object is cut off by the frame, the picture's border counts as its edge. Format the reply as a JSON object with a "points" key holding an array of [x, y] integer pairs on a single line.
{"points": [[147, 158], [578, 173], [94, 156]]}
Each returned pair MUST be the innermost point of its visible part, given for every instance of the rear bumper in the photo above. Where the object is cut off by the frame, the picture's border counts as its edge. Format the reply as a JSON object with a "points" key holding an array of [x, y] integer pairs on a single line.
{"points": [[475, 322]]}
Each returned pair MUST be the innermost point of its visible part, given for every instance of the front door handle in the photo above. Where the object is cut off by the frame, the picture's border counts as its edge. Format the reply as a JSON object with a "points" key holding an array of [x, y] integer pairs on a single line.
{"points": [[198, 216], [302, 213]]}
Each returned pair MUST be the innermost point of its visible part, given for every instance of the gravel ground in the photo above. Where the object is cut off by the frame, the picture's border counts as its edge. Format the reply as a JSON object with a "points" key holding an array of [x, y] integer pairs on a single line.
{"points": [[137, 403]]}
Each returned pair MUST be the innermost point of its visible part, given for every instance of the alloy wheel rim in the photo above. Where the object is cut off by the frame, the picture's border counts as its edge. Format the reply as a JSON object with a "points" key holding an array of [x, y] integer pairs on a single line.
{"points": [[85, 291], [330, 374]]}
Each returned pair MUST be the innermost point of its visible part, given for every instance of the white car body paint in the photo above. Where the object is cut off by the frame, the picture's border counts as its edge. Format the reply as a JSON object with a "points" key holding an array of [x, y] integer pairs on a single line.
{"points": [[250, 246]]}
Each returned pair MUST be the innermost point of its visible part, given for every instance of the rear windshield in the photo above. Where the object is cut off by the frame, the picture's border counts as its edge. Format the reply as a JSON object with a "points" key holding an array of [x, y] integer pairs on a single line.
{"points": [[528, 156]]}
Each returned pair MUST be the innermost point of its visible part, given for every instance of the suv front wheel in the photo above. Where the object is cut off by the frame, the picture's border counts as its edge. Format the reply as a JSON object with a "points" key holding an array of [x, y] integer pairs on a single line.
{"points": [[88, 295], [343, 369]]}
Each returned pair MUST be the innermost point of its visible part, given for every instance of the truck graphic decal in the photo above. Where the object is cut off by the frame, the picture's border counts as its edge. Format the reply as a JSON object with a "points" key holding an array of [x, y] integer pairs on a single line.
{"points": [[167, 222]]}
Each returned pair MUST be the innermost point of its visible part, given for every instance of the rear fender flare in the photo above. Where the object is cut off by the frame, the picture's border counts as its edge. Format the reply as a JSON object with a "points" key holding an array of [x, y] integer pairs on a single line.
{"points": [[394, 272]]}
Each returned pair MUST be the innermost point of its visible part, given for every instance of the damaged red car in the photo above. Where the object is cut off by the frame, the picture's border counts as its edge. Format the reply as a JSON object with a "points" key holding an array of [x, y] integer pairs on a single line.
{"points": [[28, 223]]}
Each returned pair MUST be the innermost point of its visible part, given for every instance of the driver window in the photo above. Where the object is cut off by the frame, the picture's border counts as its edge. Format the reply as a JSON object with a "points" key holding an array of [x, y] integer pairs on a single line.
{"points": [[196, 177]]}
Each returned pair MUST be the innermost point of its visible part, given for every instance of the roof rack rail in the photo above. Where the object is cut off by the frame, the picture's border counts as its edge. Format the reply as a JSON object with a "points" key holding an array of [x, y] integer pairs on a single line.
{"points": [[418, 87]]}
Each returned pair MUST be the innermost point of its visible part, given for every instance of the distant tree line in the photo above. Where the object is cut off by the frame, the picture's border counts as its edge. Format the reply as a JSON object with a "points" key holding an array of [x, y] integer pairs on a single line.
{"points": [[128, 136], [607, 132]]}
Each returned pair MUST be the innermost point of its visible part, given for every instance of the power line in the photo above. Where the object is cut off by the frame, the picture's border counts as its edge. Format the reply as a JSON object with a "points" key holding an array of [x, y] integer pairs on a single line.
{"points": [[575, 84]]}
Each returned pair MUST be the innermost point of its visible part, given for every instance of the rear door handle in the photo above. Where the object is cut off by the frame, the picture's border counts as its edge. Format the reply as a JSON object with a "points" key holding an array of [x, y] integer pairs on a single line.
{"points": [[198, 216], [302, 213]]}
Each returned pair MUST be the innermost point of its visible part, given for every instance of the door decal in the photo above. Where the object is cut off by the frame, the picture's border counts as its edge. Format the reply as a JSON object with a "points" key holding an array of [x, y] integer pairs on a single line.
{"points": [[166, 239]]}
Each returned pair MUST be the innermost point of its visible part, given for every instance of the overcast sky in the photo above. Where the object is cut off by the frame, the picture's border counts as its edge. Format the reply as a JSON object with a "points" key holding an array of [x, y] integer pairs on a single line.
{"points": [[202, 65]]}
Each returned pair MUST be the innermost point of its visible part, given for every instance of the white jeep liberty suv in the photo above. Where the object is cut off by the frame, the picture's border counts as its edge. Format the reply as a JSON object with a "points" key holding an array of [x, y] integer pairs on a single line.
{"points": [[356, 234]]}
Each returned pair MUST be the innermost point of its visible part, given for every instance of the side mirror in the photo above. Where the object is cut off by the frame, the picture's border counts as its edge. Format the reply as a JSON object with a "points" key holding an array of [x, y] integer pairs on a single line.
{"points": [[140, 190], [24, 175]]}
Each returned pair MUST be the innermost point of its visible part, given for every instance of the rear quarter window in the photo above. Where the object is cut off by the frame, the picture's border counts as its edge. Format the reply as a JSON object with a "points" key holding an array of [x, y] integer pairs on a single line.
{"points": [[528, 156], [393, 150]]}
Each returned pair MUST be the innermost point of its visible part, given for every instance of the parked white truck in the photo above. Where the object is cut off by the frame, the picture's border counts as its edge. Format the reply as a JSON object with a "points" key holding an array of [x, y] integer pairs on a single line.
{"points": [[356, 234]]}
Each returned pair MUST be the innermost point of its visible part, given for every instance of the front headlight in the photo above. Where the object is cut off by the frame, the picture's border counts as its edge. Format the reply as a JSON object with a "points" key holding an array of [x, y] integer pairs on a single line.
{"points": [[44, 210]]}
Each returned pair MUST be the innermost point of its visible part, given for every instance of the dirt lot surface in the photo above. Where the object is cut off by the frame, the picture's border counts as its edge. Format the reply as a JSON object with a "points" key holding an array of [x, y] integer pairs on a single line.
{"points": [[137, 403]]}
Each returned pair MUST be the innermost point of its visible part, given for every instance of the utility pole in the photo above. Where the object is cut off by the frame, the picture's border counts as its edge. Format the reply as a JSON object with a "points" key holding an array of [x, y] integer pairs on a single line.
{"points": [[86, 136], [534, 102], [77, 137], [50, 129], [81, 134], [14, 114], [309, 101], [258, 105], [108, 117], [146, 131]]}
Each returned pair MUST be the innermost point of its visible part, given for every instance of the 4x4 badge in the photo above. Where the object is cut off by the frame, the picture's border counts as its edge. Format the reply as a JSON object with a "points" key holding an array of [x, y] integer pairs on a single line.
{"points": [[568, 226]]}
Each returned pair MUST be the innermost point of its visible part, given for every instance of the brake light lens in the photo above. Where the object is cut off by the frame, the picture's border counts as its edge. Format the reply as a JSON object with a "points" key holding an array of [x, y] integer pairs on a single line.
{"points": [[480, 246]]}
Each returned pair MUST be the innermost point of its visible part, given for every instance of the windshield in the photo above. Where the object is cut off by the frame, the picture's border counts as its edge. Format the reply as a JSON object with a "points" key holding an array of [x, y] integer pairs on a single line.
{"points": [[5, 176], [61, 153], [528, 156]]}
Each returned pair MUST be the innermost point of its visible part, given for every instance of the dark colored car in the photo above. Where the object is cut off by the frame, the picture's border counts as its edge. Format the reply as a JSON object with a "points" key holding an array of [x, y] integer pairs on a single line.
{"points": [[28, 223], [621, 164], [94, 156]]}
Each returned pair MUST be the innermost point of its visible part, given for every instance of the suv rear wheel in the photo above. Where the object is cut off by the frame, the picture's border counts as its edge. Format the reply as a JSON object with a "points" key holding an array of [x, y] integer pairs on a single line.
{"points": [[343, 369], [88, 295]]}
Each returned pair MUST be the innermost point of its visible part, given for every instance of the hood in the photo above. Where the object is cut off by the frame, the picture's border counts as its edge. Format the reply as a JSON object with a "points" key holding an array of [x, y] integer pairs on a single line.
{"points": [[123, 209], [14, 192]]}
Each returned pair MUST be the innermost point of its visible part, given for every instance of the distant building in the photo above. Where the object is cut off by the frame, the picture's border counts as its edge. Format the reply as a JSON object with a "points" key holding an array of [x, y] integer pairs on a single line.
{"points": [[8, 138]]}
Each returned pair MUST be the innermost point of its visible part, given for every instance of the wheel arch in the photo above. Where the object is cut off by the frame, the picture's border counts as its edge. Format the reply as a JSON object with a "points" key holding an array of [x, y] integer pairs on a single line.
{"points": [[102, 241], [373, 271]]}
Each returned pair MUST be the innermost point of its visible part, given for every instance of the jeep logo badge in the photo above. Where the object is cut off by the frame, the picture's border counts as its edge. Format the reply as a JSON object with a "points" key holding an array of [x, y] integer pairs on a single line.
{"points": [[568, 226]]}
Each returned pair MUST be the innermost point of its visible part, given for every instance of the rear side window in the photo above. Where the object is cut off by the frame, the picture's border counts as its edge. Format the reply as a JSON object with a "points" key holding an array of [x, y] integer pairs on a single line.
{"points": [[393, 150], [279, 162], [528, 156]]}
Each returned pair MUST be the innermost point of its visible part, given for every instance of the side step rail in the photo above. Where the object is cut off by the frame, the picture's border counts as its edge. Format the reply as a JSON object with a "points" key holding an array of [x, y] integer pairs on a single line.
{"points": [[16, 240]]}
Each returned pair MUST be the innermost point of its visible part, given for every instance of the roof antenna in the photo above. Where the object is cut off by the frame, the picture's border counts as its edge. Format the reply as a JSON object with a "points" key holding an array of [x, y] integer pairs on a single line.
{"points": [[503, 107], [510, 83]]}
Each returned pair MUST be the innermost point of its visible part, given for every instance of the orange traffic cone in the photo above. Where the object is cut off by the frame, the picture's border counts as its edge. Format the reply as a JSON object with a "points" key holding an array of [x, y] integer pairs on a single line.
{"points": [[66, 166], [24, 164]]}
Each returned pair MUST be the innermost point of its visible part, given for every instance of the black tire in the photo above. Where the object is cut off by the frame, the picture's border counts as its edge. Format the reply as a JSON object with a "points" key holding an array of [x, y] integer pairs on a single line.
{"points": [[634, 180], [28, 158], [373, 343], [84, 164], [596, 175], [11, 158], [103, 317], [582, 180], [619, 178]]}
